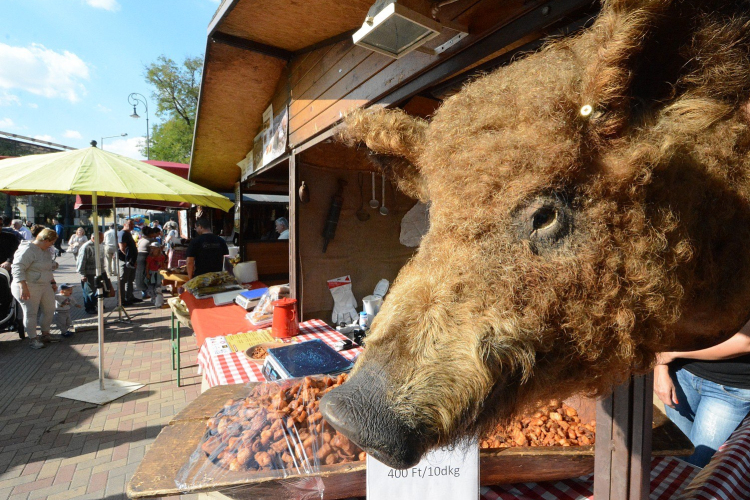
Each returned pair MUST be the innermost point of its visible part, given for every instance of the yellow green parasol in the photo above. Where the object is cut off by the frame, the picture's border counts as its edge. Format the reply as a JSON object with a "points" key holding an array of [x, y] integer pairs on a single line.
{"points": [[95, 172], [91, 170]]}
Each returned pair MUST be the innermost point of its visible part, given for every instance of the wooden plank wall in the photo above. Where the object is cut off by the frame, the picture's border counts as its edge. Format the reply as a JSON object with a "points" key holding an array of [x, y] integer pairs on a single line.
{"points": [[326, 83]]}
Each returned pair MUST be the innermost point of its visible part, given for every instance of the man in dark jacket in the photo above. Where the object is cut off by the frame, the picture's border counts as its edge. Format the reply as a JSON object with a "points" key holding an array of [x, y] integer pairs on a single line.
{"points": [[128, 255]]}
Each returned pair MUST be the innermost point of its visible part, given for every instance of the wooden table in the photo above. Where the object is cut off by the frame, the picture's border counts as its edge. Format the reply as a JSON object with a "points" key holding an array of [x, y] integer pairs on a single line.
{"points": [[174, 280], [156, 474]]}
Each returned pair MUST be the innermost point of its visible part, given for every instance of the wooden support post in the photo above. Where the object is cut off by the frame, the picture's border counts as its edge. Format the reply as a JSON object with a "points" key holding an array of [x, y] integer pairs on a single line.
{"points": [[622, 468], [238, 221], [294, 272]]}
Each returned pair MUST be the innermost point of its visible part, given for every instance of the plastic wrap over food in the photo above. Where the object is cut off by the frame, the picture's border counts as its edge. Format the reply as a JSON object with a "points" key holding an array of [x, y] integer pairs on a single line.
{"points": [[208, 279], [262, 314], [276, 432]]}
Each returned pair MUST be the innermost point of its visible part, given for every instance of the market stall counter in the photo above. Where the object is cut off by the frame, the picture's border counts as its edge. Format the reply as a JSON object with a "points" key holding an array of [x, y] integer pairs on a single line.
{"points": [[569, 468], [234, 368], [210, 320]]}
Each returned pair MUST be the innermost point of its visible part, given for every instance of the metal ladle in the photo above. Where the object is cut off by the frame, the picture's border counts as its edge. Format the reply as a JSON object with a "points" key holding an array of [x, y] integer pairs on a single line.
{"points": [[362, 213], [373, 202], [383, 210]]}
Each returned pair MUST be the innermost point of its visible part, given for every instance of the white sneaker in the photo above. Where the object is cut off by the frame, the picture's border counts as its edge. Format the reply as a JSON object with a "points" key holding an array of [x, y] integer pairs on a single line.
{"points": [[36, 343]]}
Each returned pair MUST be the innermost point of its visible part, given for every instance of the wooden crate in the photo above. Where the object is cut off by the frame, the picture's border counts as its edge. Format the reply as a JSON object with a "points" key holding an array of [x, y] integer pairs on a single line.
{"points": [[177, 441]]}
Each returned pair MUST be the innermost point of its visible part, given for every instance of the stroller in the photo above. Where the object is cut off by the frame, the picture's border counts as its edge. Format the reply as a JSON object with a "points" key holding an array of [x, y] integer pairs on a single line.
{"points": [[11, 316]]}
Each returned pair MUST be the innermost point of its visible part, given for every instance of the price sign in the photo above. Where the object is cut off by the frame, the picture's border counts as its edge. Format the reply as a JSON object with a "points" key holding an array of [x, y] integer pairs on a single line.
{"points": [[444, 473]]}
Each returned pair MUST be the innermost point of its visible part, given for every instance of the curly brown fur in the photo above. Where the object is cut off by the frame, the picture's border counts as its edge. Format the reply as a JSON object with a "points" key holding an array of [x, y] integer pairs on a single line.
{"points": [[649, 199], [395, 133]]}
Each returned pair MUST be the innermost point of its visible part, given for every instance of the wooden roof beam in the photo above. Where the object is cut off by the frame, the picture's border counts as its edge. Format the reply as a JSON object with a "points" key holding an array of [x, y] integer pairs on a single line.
{"points": [[245, 44]]}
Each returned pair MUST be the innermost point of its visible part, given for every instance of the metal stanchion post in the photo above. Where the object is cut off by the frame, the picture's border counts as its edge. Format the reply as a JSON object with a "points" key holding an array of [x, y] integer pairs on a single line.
{"points": [[120, 310]]}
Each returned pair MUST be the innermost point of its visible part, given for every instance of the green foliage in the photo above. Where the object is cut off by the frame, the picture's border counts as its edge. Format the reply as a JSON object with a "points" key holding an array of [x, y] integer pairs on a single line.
{"points": [[49, 205], [171, 141], [175, 92]]}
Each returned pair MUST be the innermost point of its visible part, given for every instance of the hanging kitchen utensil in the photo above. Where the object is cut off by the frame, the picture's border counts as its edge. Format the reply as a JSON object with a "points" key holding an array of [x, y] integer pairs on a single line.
{"points": [[337, 201], [383, 210], [373, 202], [362, 213], [304, 193]]}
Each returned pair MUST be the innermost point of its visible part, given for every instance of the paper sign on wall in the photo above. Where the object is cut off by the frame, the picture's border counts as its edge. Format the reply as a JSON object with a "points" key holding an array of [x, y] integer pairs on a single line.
{"points": [[444, 473]]}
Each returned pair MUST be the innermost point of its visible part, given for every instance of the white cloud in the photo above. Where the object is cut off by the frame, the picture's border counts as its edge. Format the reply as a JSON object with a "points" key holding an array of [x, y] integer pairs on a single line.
{"points": [[44, 137], [7, 123], [102, 108], [110, 5], [6, 99], [72, 134], [33, 105], [129, 147], [43, 71]]}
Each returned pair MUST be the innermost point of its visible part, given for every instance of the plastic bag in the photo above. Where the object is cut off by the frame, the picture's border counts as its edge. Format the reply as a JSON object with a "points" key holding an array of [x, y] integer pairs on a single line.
{"points": [[262, 314], [276, 432], [208, 279]]}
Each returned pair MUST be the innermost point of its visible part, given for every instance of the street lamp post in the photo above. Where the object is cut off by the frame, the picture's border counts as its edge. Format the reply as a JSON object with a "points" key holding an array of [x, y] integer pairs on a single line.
{"points": [[134, 99], [110, 137]]}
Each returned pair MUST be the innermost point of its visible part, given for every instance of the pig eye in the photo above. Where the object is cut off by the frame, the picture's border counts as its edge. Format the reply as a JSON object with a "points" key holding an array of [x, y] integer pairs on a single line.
{"points": [[544, 222]]}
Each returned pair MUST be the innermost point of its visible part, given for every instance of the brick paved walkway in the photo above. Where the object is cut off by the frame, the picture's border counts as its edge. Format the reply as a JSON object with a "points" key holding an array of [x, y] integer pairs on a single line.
{"points": [[57, 448]]}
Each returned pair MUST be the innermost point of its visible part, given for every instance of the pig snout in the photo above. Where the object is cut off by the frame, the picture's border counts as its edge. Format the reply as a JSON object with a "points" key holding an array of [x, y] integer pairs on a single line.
{"points": [[359, 410]]}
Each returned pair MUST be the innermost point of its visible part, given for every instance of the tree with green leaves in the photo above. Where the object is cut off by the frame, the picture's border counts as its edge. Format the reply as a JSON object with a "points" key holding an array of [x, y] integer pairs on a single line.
{"points": [[176, 95]]}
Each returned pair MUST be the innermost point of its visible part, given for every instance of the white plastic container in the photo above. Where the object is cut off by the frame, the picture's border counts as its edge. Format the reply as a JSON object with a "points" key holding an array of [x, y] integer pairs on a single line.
{"points": [[372, 305], [245, 272]]}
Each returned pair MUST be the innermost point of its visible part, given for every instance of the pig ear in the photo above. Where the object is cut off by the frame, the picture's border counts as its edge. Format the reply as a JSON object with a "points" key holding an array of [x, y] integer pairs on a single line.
{"points": [[395, 140], [619, 36]]}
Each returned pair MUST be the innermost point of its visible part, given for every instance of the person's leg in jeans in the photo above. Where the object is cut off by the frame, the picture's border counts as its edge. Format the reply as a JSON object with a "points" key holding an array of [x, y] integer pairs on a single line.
{"points": [[89, 301], [721, 410], [687, 387], [707, 413]]}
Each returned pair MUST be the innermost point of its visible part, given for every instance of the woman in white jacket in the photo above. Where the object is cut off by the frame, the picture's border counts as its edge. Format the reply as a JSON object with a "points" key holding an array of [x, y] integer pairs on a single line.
{"points": [[76, 241], [32, 285]]}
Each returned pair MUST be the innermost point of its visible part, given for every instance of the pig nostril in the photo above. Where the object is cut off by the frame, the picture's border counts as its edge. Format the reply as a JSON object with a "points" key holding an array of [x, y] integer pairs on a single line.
{"points": [[332, 411]]}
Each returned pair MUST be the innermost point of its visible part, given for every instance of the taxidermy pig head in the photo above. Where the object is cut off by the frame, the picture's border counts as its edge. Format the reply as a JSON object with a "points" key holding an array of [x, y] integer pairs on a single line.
{"points": [[589, 208]]}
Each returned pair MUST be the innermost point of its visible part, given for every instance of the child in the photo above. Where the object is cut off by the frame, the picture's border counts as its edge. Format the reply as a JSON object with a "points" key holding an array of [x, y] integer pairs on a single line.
{"points": [[155, 262], [63, 301]]}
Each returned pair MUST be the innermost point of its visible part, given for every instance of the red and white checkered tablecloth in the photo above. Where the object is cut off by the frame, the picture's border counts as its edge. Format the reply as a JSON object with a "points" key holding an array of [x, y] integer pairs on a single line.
{"points": [[235, 368], [727, 475], [669, 476]]}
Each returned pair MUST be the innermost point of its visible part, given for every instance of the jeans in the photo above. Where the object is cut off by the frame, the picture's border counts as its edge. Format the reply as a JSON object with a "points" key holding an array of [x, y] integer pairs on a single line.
{"points": [[89, 293], [42, 299], [708, 413], [126, 281]]}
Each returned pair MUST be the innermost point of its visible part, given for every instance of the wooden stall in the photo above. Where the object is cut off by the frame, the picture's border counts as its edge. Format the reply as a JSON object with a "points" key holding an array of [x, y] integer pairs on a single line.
{"points": [[269, 56], [296, 62]]}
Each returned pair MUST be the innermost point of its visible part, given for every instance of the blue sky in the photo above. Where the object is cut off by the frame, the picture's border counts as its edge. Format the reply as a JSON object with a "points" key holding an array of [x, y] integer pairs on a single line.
{"points": [[68, 66]]}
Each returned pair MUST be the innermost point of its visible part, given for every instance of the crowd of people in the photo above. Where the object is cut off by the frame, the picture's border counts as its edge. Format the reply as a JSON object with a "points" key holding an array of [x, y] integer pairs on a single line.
{"points": [[29, 252]]}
